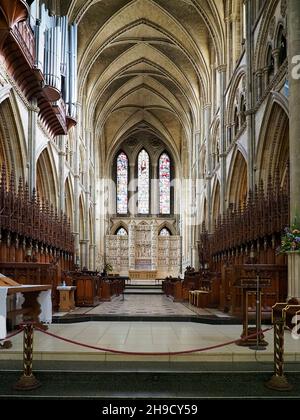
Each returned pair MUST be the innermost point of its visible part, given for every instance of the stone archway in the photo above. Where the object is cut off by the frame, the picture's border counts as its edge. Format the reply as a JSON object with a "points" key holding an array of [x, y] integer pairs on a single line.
{"points": [[238, 189]]}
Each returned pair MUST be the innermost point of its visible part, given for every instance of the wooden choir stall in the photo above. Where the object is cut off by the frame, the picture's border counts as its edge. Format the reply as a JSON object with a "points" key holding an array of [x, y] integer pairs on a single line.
{"points": [[245, 234]]}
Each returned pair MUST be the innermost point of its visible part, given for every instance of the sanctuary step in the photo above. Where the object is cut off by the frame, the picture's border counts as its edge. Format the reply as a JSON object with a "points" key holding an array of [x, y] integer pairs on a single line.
{"points": [[143, 289], [140, 380]]}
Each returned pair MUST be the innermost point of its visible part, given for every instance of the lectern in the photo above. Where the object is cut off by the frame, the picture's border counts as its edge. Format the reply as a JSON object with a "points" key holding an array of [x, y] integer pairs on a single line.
{"points": [[250, 286]]}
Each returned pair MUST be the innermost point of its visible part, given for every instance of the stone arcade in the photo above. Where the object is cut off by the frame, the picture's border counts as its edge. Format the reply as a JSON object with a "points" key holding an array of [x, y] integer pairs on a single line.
{"points": [[149, 154]]}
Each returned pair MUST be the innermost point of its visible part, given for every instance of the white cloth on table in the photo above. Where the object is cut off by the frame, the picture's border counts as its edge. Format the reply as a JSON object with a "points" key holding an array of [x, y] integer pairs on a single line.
{"points": [[3, 295], [46, 306], [44, 299]]}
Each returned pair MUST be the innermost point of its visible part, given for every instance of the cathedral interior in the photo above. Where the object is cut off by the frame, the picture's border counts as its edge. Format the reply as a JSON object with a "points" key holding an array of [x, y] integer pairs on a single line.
{"points": [[150, 195]]}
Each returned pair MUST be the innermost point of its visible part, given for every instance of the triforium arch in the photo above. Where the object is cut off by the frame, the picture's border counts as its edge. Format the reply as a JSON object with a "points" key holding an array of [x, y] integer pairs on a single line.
{"points": [[273, 150], [237, 181], [46, 177], [235, 118]]}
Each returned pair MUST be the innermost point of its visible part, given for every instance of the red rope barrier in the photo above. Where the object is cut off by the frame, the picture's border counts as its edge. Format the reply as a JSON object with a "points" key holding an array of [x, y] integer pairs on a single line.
{"points": [[12, 335], [149, 353]]}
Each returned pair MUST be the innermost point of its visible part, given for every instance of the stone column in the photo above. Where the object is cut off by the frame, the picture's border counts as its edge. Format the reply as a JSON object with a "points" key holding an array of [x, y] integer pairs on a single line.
{"points": [[195, 260], [234, 40], [92, 257], [222, 84], [154, 245], [76, 199], [155, 205], [87, 198], [294, 130], [132, 197], [266, 77], [207, 119], [294, 100], [62, 158], [131, 245], [259, 78], [250, 115], [228, 43], [32, 125], [276, 53]]}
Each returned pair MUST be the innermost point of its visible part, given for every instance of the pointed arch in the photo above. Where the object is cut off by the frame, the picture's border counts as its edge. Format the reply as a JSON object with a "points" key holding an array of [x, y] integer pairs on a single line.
{"points": [[238, 180], [121, 232], [143, 177], [46, 178], [164, 175], [122, 179], [91, 226], [12, 139], [281, 44], [273, 145], [168, 226], [164, 232], [118, 226]]}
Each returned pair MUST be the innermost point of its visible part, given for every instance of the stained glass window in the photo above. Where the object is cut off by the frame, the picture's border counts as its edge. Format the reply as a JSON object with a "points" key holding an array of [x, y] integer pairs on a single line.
{"points": [[143, 182], [122, 183], [164, 184], [164, 232], [121, 232]]}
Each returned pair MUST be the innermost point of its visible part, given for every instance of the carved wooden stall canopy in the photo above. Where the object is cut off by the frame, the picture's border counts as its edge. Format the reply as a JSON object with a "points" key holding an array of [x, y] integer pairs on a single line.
{"points": [[256, 227], [31, 229], [249, 234]]}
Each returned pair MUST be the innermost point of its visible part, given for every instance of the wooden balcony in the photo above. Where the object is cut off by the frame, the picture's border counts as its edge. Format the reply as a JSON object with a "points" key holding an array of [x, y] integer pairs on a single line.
{"points": [[17, 45]]}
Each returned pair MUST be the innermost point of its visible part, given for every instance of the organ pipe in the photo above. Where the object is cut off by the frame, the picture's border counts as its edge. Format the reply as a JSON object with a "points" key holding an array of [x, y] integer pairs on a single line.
{"points": [[56, 52]]}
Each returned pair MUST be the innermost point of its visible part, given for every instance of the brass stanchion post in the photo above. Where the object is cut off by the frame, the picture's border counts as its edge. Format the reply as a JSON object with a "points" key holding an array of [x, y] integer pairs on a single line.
{"points": [[27, 381]]}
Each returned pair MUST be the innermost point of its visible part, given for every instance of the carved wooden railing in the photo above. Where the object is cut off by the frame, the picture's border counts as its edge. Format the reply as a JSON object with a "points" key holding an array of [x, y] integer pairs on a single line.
{"points": [[259, 222], [30, 220], [25, 38]]}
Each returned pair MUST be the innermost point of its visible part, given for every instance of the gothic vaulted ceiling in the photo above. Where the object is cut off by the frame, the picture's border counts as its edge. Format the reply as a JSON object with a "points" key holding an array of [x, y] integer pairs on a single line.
{"points": [[144, 65]]}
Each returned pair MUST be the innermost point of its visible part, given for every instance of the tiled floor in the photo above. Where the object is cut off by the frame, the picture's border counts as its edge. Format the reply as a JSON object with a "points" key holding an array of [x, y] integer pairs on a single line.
{"points": [[152, 305], [141, 305], [147, 337]]}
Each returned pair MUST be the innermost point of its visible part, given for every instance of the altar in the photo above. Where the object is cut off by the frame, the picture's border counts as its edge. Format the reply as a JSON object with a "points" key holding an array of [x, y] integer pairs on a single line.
{"points": [[143, 274]]}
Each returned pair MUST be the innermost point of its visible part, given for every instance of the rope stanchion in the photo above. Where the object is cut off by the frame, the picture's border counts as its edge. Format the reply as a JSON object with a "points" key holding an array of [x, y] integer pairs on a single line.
{"points": [[278, 381], [7, 344], [67, 340], [27, 381]]}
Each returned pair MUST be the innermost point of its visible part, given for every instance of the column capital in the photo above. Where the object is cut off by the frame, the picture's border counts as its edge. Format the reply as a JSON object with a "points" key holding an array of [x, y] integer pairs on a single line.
{"points": [[33, 108], [222, 68]]}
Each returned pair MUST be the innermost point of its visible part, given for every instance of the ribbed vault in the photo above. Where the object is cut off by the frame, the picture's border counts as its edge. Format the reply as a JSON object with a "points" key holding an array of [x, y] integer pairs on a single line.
{"points": [[145, 65]]}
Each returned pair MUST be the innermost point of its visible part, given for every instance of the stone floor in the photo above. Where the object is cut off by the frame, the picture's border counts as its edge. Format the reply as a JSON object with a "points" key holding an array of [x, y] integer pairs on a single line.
{"points": [[151, 305], [149, 337]]}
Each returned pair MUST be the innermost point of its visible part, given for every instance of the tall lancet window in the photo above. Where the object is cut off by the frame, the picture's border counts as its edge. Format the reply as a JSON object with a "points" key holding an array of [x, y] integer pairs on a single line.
{"points": [[143, 182], [122, 183], [164, 184]]}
